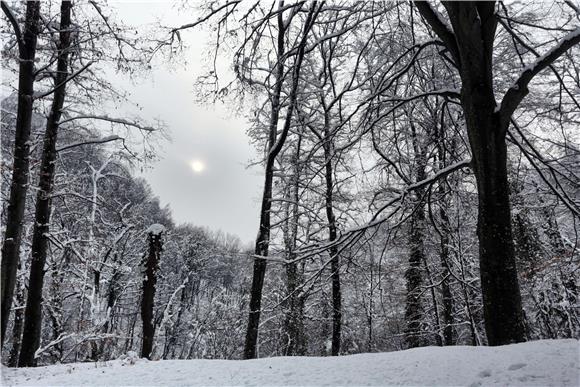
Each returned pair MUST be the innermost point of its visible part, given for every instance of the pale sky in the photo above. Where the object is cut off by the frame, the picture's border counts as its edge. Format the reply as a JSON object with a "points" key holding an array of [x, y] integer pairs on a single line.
{"points": [[202, 173]]}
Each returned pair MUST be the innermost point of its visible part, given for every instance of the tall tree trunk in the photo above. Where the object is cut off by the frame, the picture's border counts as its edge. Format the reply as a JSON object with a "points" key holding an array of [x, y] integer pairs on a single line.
{"points": [[33, 312], [294, 320], [263, 238], [413, 310], [274, 146], [332, 234], [474, 26], [147, 300], [445, 283], [501, 292], [19, 184], [444, 256], [436, 319]]}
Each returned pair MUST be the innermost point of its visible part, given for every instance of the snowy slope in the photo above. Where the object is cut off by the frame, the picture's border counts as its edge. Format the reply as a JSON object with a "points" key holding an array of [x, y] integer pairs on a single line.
{"points": [[543, 363]]}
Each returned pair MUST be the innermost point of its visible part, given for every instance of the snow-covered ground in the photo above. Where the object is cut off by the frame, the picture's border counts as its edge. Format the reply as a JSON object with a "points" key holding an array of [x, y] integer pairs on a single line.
{"points": [[542, 363]]}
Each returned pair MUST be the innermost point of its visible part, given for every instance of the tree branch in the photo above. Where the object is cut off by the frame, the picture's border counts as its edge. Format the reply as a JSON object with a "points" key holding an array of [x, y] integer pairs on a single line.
{"points": [[87, 142], [434, 19], [17, 31], [110, 119], [73, 76], [519, 89]]}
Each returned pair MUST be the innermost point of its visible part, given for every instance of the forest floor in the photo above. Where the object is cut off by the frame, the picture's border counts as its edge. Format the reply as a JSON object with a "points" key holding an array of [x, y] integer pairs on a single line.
{"points": [[541, 363]]}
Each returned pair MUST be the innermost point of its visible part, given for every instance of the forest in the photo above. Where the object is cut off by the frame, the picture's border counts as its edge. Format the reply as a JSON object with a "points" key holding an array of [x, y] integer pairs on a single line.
{"points": [[420, 167]]}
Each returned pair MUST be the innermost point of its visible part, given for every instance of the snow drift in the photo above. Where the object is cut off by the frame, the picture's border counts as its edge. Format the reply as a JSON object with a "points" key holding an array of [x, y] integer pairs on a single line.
{"points": [[542, 363]]}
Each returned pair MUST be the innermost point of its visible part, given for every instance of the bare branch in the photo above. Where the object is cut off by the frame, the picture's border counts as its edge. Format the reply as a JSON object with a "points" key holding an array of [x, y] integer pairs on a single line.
{"points": [[73, 76], [12, 19], [519, 89], [110, 119], [436, 22], [87, 142]]}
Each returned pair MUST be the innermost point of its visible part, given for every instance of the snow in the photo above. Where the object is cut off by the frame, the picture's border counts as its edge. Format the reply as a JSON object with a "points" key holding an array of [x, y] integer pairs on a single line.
{"points": [[540, 363], [532, 66], [155, 229]]}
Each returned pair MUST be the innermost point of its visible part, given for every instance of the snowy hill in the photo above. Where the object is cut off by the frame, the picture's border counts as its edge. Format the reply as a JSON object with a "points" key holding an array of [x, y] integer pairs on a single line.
{"points": [[542, 363]]}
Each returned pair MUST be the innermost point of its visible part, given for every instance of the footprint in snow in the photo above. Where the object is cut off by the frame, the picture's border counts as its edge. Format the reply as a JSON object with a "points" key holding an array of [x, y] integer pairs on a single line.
{"points": [[516, 366], [484, 374]]}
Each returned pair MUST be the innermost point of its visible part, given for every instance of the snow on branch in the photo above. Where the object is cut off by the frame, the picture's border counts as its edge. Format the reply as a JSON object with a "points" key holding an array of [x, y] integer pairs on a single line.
{"points": [[375, 220], [155, 229], [91, 141], [435, 20], [166, 313], [40, 95], [15, 26], [211, 13], [54, 342], [114, 120], [519, 89]]}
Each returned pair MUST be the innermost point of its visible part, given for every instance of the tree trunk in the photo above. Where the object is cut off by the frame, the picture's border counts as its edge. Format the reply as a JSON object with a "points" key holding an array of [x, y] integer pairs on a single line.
{"points": [[445, 283], [436, 319], [444, 256], [33, 312], [148, 298], [17, 328], [486, 129], [332, 234], [263, 238], [19, 184], [499, 281], [502, 304], [295, 313], [413, 310], [274, 146]]}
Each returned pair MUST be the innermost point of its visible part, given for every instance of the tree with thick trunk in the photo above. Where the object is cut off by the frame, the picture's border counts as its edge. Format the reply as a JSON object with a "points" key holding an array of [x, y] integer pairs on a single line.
{"points": [[33, 312], [154, 235], [19, 185], [470, 42]]}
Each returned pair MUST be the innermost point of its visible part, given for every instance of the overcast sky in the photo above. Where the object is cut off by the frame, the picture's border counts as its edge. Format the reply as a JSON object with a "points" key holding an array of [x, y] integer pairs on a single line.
{"points": [[202, 173]]}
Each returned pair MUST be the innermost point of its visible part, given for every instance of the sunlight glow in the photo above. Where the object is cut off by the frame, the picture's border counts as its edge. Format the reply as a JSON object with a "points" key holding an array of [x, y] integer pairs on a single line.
{"points": [[197, 166]]}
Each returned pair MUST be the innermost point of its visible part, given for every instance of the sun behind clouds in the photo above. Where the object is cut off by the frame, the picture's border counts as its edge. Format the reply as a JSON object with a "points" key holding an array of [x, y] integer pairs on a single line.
{"points": [[197, 166]]}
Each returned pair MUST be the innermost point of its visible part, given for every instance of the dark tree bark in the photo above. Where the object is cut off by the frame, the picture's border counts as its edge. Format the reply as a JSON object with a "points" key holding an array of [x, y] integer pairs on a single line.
{"points": [[113, 293], [413, 275], [499, 281], [470, 43], [263, 238], [33, 312], [296, 341], [17, 329], [19, 184], [274, 146], [147, 300], [448, 334], [332, 234]]}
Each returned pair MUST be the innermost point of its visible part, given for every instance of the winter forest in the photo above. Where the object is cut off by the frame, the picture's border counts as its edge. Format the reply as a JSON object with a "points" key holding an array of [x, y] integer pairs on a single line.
{"points": [[419, 187]]}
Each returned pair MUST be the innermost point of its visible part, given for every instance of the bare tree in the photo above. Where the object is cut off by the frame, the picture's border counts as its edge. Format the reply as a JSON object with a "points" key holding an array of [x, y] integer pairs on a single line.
{"points": [[26, 40], [470, 43], [33, 312], [275, 143], [151, 264]]}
